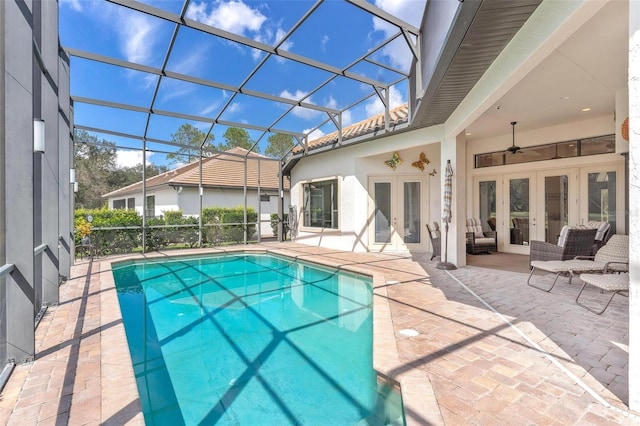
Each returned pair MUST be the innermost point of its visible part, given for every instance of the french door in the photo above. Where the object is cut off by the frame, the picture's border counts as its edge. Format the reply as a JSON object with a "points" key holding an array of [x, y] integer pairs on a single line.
{"points": [[519, 212], [536, 205], [599, 196], [397, 213]]}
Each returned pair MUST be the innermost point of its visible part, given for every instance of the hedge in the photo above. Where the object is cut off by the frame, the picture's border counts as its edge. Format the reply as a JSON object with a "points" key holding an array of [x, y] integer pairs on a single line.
{"points": [[157, 234]]}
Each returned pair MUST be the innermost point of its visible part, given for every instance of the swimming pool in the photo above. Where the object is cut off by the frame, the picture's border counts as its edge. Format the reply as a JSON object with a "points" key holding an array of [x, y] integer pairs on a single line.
{"points": [[251, 339]]}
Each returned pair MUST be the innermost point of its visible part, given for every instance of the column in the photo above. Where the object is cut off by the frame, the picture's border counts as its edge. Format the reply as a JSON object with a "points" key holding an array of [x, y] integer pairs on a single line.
{"points": [[634, 205], [454, 149]]}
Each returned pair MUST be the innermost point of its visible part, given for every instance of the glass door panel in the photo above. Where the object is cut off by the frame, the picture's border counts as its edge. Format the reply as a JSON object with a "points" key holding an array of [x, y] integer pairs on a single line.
{"points": [[519, 210], [412, 217], [397, 213], [382, 212], [487, 199], [601, 198], [556, 206]]}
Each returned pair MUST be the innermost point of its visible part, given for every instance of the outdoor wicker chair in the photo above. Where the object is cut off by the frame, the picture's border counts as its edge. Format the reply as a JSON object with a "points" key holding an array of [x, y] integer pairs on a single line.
{"points": [[612, 257], [479, 241], [436, 239], [615, 283], [573, 241]]}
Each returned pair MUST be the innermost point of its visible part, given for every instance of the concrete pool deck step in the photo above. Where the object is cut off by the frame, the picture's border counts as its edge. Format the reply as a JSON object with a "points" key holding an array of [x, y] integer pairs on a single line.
{"points": [[488, 349]]}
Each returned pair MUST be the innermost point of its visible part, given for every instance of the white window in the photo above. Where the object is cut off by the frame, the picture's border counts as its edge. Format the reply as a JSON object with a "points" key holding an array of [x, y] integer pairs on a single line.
{"points": [[150, 208], [320, 204]]}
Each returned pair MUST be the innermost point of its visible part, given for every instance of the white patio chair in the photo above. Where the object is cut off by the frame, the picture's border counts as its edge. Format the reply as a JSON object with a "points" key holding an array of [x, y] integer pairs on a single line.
{"points": [[612, 257], [615, 283]]}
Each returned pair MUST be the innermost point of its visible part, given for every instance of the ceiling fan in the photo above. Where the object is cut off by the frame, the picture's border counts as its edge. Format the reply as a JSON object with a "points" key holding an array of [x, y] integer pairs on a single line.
{"points": [[514, 149]]}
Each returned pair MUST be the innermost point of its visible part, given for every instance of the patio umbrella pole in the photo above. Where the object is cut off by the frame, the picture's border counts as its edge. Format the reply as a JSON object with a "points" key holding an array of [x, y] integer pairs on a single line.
{"points": [[446, 217]]}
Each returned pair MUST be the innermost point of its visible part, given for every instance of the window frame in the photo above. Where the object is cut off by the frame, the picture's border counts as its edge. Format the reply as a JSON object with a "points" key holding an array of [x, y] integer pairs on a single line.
{"points": [[306, 222], [147, 209]]}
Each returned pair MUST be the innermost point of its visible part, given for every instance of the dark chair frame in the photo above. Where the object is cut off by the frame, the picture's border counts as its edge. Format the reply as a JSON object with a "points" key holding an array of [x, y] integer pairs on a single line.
{"points": [[579, 242], [474, 247], [436, 242]]}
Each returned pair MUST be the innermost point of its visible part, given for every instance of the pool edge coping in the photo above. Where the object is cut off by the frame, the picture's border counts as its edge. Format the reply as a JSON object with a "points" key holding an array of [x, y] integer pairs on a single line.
{"points": [[418, 398]]}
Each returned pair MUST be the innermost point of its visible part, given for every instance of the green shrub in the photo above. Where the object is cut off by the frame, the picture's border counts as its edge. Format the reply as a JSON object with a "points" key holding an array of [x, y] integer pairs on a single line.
{"points": [[107, 241], [157, 235], [173, 217], [216, 232]]}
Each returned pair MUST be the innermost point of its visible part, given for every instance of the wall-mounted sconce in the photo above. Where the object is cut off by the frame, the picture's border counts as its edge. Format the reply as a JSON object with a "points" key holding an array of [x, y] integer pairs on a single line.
{"points": [[38, 135], [75, 186], [72, 175]]}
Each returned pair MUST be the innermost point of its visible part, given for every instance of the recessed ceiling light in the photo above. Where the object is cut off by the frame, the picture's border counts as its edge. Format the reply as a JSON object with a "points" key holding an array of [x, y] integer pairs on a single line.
{"points": [[564, 98], [467, 134], [586, 109]]}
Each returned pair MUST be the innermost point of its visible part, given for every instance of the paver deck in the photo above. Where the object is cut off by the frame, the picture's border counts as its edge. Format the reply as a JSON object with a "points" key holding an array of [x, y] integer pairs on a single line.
{"points": [[489, 350]]}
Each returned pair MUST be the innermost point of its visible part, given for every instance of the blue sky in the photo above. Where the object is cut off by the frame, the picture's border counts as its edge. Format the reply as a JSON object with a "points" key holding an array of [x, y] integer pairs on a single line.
{"points": [[337, 34]]}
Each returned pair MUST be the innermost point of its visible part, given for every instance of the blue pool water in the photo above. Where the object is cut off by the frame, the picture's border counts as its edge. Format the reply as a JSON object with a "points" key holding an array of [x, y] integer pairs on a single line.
{"points": [[251, 340]]}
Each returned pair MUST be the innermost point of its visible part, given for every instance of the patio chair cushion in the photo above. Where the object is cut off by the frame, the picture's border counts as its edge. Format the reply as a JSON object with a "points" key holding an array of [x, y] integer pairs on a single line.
{"points": [[611, 282], [484, 241], [475, 226], [602, 228], [434, 229]]}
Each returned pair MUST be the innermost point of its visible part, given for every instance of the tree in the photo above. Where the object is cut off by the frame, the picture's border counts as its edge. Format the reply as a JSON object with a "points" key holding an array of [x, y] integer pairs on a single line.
{"points": [[279, 145], [94, 160], [191, 137], [235, 136], [124, 176]]}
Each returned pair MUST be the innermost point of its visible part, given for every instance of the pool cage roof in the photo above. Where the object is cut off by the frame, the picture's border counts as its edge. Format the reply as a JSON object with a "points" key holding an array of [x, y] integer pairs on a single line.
{"points": [[300, 68]]}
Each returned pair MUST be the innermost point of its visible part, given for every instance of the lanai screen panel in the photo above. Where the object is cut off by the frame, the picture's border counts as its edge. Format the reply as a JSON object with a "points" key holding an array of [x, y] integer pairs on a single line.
{"points": [[269, 66]]}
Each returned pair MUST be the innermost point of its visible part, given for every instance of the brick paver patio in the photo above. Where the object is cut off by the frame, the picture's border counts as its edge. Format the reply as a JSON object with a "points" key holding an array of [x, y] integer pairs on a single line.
{"points": [[490, 349]]}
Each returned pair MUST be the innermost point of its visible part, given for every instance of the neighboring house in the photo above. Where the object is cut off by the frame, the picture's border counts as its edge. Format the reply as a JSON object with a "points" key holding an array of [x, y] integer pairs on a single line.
{"points": [[560, 74], [223, 178]]}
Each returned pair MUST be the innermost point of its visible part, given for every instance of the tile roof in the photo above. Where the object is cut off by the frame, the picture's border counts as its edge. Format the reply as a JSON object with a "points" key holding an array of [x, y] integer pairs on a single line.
{"points": [[223, 170], [398, 115]]}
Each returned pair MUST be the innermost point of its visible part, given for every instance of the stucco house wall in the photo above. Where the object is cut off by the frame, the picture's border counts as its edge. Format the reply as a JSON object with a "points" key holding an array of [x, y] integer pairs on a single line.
{"points": [[353, 166]]}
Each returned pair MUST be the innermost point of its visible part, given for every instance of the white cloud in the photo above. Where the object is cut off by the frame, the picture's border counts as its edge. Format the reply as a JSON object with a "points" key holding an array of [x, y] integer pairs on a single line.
{"points": [[233, 16], [346, 118], [316, 134], [287, 44], [174, 89], [234, 107], [237, 17], [346, 115], [301, 112], [209, 109], [126, 158], [73, 4], [137, 33], [323, 42], [375, 106], [297, 96], [408, 10], [194, 60]]}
